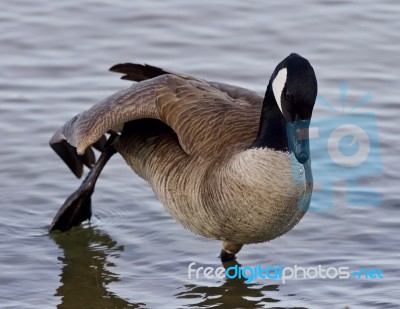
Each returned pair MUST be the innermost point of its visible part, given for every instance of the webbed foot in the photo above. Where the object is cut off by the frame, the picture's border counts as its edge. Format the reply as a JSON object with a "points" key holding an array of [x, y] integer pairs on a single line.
{"points": [[78, 206]]}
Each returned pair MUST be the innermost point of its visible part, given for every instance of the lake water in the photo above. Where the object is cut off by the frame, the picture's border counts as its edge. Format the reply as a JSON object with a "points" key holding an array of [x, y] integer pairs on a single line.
{"points": [[54, 61]]}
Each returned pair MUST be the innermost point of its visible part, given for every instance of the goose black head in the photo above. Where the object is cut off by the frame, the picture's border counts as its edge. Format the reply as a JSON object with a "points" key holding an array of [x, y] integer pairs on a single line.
{"points": [[294, 88]]}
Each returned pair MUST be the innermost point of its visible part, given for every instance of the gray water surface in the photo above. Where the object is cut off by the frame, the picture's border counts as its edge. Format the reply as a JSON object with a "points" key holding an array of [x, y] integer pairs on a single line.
{"points": [[54, 57]]}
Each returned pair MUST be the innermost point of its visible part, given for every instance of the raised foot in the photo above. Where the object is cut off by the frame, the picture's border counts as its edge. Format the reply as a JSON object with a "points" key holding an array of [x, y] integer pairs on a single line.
{"points": [[78, 206], [76, 209]]}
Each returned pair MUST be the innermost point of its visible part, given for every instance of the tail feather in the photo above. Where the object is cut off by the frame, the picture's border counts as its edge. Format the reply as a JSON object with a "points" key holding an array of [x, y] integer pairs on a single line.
{"points": [[137, 72]]}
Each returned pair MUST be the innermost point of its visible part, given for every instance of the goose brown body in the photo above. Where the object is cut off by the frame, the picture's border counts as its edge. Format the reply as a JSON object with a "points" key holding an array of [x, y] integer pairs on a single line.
{"points": [[190, 140]]}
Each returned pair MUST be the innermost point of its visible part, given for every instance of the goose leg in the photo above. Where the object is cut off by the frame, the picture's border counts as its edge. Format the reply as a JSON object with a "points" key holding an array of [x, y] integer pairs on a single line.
{"points": [[229, 250], [77, 207]]}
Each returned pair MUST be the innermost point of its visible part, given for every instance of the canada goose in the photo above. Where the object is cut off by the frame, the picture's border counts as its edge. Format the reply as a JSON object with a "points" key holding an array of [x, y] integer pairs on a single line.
{"points": [[225, 162]]}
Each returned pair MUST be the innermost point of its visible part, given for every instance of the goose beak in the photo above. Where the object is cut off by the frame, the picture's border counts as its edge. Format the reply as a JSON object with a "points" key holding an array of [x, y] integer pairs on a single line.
{"points": [[298, 139]]}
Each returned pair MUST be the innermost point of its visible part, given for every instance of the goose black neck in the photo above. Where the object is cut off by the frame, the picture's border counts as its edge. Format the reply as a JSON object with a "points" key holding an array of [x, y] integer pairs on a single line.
{"points": [[272, 130]]}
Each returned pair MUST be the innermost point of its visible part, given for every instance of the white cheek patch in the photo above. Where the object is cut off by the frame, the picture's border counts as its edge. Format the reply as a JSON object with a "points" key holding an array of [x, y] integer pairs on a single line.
{"points": [[277, 86]]}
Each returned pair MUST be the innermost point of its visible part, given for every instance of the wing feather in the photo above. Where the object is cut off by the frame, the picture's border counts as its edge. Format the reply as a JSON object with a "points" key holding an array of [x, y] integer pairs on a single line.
{"points": [[204, 115]]}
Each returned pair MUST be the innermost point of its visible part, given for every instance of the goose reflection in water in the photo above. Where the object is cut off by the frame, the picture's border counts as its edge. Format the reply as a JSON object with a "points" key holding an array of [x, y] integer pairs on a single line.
{"points": [[86, 275], [86, 271], [232, 293]]}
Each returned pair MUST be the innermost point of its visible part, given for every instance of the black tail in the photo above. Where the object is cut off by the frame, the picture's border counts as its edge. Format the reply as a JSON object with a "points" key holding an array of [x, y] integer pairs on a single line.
{"points": [[137, 72]]}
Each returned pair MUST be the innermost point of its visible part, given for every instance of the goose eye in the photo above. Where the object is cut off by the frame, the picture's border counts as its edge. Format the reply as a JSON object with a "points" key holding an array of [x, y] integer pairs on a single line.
{"points": [[288, 96]]}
